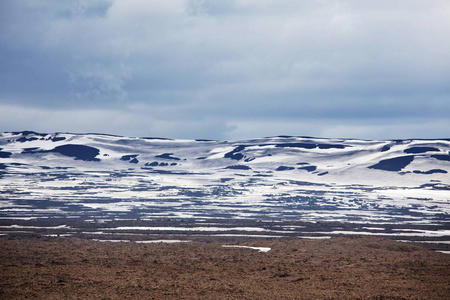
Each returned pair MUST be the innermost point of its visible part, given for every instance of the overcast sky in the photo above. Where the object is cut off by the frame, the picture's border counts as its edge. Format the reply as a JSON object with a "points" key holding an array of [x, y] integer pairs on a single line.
{"points": [[226, 69]]}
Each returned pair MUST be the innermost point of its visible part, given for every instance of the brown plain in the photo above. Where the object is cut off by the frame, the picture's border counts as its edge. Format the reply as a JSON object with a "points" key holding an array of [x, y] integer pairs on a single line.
{"points": [[338, 268]]}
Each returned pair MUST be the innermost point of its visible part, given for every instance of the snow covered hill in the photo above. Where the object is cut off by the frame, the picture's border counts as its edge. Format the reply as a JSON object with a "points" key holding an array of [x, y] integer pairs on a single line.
{"points": [[103, 177]]}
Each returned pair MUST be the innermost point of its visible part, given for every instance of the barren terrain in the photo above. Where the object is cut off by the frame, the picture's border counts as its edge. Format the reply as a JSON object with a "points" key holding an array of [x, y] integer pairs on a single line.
{"points": [[95, 216], [34, 267]]}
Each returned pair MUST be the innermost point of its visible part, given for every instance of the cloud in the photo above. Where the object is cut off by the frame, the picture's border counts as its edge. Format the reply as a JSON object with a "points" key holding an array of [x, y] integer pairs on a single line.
{"points": [[338, 128], [142, 121], [99, 83], [234, 62]]}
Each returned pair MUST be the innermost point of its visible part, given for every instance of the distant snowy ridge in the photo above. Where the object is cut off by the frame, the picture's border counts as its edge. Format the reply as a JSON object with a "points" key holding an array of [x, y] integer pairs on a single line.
{"points": [[315, 155], [95, 176]]}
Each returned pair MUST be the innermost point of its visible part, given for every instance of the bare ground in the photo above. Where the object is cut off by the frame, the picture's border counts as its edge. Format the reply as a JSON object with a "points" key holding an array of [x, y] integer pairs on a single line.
{"points": [[338, 268]]}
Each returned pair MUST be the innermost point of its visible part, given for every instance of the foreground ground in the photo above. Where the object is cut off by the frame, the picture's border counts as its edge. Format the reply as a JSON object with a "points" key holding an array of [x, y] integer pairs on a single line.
{"points": [[337, 268]]}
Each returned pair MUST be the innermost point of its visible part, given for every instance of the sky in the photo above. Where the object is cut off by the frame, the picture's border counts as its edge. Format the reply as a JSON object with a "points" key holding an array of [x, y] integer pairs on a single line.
{"points": [[226, 69]]}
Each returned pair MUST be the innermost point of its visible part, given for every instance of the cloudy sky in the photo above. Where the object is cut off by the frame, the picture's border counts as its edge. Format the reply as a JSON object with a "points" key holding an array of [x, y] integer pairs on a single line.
{"points": [[226, 69]]}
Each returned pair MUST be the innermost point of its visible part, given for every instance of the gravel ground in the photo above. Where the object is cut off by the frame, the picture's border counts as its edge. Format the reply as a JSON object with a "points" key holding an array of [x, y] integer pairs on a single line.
{"points": [[337, 268]]}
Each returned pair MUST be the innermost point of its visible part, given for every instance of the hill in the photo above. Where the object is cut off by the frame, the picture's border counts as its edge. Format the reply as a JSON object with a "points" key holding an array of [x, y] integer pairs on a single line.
{"points": [[100, 186]]}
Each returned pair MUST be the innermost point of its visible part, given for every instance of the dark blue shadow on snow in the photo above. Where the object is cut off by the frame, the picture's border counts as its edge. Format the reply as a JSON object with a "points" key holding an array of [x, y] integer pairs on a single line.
{"points": [[167, 156], [430, 172], [5, 154], [235, 153], [444, 157], [79, 152], [131, 158], [393, 164], [308, 168], [385, 148], [284, 168], [239, 167], [416, 150], [310, 146], [58, 139]]}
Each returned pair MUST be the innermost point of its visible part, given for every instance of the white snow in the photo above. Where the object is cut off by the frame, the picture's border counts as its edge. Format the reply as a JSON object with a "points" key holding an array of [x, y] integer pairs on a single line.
{"points": [[162, 241], [418, 233], [374, 228], [112, 241], [315, 237], [425, 242], [188, 228], [43, 185], [260, 249], [37, 227]]}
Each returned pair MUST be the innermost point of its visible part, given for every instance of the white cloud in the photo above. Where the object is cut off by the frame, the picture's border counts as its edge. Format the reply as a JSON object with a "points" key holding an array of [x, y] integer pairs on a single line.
{"points": [[99, 83], [281, 61], [142, 9], [143, 121], [391, 129]]}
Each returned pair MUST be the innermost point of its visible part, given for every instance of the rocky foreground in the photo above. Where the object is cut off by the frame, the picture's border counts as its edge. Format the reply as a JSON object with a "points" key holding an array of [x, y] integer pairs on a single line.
{"points": [[338, 268]]}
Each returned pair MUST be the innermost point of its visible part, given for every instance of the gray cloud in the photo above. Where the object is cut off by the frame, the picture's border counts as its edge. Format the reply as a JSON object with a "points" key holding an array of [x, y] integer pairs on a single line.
{"points": [[225, 69]]}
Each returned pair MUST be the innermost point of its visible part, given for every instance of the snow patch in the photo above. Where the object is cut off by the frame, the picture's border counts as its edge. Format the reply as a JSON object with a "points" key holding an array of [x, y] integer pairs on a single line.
{"points": [[260, 249]]}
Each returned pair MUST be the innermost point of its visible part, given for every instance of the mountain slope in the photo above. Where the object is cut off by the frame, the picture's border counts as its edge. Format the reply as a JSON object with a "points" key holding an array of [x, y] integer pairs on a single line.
{"points": [[105, 177]]}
